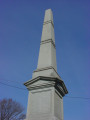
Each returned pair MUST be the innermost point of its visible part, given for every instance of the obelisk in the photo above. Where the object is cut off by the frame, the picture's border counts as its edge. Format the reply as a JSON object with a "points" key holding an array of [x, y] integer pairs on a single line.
{"points": [[46, 88]]}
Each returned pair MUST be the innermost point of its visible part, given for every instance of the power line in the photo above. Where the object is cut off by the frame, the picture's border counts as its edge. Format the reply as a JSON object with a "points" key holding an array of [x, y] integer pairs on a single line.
{"points": [[78, 97], [12, 86], [26, 89], [11, 81]]}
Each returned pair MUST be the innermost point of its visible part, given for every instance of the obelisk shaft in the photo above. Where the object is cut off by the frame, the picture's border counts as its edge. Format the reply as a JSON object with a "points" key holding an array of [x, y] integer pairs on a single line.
{"points": [[47, 54]]}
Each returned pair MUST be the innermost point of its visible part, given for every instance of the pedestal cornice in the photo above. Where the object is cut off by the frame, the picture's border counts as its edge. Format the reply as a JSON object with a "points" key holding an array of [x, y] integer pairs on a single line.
{"points": [[41, 82]]}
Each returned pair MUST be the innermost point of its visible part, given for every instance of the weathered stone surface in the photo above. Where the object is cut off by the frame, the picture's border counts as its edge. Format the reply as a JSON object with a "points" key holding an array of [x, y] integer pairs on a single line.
{"points": [[47, 54], [44, 104], [46, 89], [48, 27]]}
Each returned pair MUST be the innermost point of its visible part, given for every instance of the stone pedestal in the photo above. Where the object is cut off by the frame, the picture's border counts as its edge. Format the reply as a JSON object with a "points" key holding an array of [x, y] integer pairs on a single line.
{"points": [[45, 101]]}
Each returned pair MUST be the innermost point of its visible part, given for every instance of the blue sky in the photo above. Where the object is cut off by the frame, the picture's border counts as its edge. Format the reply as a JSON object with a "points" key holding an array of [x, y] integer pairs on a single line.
{"points": [[20, 34]]}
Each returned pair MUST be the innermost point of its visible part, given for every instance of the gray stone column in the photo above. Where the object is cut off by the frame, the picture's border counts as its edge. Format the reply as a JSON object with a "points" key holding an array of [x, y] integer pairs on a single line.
{"points": [[46, 88]]}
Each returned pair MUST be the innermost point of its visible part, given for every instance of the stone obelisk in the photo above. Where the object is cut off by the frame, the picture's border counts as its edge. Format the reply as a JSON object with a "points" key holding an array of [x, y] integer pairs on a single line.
{"points": [[46, 88]]}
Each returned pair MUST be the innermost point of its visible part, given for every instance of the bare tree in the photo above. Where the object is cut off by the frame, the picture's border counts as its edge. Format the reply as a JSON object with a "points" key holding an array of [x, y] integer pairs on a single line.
{"points": [[11, 110]]}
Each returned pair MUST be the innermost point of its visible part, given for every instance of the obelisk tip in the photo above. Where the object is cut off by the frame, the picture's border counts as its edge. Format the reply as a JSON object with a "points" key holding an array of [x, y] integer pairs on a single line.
{"points": [[48, 15]]}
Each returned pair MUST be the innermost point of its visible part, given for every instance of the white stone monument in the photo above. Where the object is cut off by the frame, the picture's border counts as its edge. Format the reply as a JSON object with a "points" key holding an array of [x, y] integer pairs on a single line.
{"points": [[46, 88]]}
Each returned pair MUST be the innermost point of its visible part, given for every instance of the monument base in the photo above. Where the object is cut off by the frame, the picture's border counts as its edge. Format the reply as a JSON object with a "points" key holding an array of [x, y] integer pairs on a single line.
{"points": [[45, 100], [43, 118]]}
